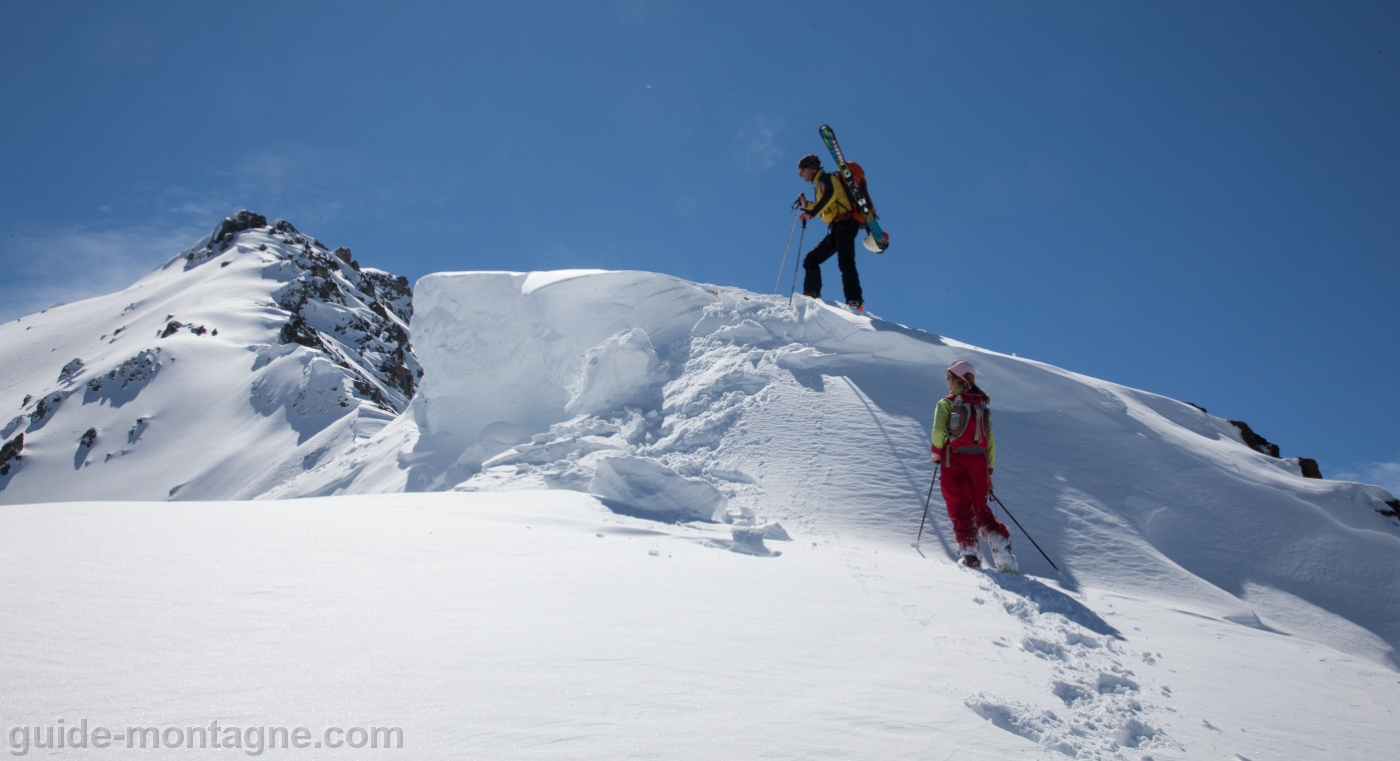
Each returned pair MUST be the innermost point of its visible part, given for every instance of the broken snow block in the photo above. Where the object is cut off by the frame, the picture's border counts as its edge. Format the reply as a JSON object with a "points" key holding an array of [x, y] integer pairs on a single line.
{"points": [[651, 487], [748, 540]]}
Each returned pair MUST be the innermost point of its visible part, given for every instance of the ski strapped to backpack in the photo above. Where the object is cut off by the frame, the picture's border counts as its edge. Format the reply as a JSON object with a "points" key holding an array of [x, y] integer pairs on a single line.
{"points": [[853, 177]]}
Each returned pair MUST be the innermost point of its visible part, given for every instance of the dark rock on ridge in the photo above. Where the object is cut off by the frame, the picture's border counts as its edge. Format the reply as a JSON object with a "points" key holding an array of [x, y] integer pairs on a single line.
{"points": [[223, 236], [1255, 441], [9, 452], [356, 317]]}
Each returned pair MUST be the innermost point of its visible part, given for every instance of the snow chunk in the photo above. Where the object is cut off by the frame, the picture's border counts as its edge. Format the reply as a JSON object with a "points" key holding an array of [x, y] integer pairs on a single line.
{"points": [[654, 488], [621, 371]]}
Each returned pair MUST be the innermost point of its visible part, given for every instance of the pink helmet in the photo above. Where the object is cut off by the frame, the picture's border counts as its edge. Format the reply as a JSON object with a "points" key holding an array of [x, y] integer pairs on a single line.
{"points": [[962, 368]]}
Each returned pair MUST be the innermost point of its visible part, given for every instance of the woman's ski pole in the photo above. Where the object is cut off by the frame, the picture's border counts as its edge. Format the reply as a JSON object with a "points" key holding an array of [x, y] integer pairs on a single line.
{"points": [[783, 265], [993, 495], [936, 466]]}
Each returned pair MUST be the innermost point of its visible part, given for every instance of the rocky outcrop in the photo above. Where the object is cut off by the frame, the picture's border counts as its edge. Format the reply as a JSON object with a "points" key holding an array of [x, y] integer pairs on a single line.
{"points": [[10, 452], [223, 236], [357, 317], [175, 325], [1254, 440], [1306, 465], [126, 380], [69, 370]]}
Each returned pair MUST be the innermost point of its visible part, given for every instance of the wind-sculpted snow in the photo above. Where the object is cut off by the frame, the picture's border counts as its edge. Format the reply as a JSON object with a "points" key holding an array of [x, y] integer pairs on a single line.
{"points": [[816, 417]]}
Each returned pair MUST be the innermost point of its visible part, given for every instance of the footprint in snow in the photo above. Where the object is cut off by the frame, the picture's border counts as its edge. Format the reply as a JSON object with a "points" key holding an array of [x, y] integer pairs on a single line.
{"points": [[1102, 709]]}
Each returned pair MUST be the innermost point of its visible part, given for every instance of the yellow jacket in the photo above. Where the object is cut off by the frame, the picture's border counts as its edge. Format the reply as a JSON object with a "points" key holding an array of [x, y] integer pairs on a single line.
{"points": [[832, 202]]}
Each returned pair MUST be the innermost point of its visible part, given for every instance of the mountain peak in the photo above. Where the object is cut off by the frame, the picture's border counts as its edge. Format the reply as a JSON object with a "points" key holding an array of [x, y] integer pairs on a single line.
{"points": [[151, 391]]}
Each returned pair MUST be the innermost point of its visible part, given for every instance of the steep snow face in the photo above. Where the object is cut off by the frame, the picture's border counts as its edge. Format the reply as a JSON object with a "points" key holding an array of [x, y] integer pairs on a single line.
{"points": [[237, 364], [678, 400], [529, 351]]}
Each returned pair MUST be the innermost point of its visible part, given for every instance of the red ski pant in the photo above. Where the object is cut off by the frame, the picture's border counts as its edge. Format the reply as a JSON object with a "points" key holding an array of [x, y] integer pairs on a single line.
{"points": [[964, 486]]}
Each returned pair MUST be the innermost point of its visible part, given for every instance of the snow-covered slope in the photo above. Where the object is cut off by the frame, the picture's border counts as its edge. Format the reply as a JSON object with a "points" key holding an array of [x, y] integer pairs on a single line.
{"points": [[672, 520], [686, 401], [236, 364], [538, 625]]}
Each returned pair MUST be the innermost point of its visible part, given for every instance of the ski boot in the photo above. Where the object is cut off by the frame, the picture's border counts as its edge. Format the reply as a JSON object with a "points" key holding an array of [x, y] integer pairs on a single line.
{"points": [[856, 306], [967, 556], [1001, 551]]}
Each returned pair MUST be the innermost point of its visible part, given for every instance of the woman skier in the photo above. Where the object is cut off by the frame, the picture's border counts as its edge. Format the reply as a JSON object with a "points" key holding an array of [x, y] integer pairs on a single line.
{"points": [[963, 443]]}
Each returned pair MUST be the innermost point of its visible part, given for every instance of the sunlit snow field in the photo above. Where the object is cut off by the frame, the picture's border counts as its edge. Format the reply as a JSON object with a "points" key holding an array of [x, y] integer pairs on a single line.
{"points": [[629, 516], [542, 625]]}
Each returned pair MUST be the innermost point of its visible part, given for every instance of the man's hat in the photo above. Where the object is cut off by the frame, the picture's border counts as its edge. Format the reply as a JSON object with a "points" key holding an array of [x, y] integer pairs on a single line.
{"points": [[810, 161]]}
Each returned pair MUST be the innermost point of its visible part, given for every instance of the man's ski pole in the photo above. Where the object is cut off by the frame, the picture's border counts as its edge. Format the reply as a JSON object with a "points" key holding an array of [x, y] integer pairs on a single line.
{"points": [[783, 265], [798, 262], [936, 466], [993, 495]]}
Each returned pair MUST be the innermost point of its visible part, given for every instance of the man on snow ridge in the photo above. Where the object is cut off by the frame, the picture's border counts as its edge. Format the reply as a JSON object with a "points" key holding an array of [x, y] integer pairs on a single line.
{"points": [[834, 206]]}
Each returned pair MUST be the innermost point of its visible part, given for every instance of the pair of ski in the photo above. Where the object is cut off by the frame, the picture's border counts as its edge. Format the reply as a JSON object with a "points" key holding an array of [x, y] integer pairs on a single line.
{"points": [[876, 240]]}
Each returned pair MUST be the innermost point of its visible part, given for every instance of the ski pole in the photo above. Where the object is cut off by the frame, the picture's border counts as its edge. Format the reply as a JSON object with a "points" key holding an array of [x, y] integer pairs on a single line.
{"points": [[783, 265], [798, 262], [993, 495], [927, 499]]}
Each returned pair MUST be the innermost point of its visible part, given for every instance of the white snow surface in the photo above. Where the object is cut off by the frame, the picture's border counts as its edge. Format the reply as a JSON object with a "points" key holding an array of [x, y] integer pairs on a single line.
{"points": [[674, 520]]}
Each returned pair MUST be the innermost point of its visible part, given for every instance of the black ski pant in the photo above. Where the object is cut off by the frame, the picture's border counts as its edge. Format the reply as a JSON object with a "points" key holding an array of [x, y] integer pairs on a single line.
{"points": [[840, 240]]}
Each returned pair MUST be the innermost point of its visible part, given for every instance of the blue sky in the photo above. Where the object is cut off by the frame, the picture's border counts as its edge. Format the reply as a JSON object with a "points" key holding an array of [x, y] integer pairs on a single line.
{"points": [[1197, 199]]}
